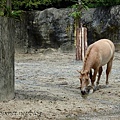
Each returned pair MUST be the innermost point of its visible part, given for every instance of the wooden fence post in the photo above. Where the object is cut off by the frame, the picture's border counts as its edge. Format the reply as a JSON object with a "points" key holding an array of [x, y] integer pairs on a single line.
{"points": [[6, 59], [81, 42]]}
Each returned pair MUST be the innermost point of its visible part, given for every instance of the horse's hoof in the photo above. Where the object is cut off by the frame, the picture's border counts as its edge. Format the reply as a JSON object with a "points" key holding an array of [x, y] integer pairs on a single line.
{"points": [[96, 88], [91, 91], [107, 86]]}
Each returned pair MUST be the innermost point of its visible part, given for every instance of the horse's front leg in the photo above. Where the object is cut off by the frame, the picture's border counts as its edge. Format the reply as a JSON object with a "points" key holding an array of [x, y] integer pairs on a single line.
{"points": [[90, 74], [94, 77], [99, 75]]}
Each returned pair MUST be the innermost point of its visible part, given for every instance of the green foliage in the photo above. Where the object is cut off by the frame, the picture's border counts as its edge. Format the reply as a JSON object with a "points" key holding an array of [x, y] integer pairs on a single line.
{"points": [[17, 14], [2, 7], [76, 14], [98, 3], [32, 4], [77, 10]]}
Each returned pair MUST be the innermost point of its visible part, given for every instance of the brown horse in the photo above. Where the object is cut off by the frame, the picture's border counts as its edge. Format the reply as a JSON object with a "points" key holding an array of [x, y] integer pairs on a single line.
{"points": [[97, 55]]}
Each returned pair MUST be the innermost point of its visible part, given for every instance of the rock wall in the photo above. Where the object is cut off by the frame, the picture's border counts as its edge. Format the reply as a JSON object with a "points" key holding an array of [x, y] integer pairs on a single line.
{"points": [[55, 27], [21, 35], [103, 22]]}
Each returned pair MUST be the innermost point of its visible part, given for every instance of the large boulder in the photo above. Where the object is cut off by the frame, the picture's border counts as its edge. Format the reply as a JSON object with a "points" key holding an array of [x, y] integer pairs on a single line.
{"points": [[51, 27]]}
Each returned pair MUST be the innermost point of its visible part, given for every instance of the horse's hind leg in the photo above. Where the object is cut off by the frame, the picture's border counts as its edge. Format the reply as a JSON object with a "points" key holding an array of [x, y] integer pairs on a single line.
{"points": [[99, 75], [109, 66]]}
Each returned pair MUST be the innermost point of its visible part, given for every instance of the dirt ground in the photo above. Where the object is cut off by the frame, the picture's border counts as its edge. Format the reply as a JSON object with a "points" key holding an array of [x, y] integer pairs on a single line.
{"points": [[46, 88]]}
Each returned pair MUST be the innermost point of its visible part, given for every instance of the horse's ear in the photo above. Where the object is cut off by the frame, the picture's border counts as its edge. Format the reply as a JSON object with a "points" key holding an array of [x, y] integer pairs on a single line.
{"points": [[78, 71]]}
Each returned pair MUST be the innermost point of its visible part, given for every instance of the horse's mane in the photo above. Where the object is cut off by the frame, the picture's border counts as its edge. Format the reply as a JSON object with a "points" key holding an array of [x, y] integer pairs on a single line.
{"points": [[86, 55]]}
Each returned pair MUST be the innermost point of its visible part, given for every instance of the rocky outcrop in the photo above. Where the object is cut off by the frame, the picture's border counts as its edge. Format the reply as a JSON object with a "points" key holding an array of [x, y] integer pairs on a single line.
{"points": [[51, 27], [55, 27], [103, 22]]}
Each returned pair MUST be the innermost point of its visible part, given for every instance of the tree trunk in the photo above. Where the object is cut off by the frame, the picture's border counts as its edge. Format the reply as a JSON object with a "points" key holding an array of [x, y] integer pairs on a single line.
{"points": [[6, 59], [9, 4]]}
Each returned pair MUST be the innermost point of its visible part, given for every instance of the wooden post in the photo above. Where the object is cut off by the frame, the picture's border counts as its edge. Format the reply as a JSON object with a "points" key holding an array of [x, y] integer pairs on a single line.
{"points": [[85, 40], [81, 42], [6, 59], [78, 53]]}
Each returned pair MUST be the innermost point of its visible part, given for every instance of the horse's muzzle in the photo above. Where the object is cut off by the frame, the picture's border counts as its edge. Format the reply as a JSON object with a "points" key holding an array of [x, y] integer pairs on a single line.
{"points": [[83, 92]]}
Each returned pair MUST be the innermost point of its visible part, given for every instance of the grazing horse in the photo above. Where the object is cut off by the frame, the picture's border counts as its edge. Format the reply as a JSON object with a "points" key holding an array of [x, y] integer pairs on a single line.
{"points": [[97, 55]]}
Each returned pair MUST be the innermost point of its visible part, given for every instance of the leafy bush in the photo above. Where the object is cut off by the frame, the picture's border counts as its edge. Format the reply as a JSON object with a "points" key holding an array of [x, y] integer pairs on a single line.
{"points": [[98, 3]]}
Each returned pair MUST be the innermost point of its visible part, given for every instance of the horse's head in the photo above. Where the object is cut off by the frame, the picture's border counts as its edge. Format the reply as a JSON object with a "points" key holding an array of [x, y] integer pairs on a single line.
{"points": [[84, 81]]}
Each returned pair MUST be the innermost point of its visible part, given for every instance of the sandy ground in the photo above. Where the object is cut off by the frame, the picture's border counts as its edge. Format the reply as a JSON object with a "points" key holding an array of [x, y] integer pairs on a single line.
{"points": [[46, 88]]}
